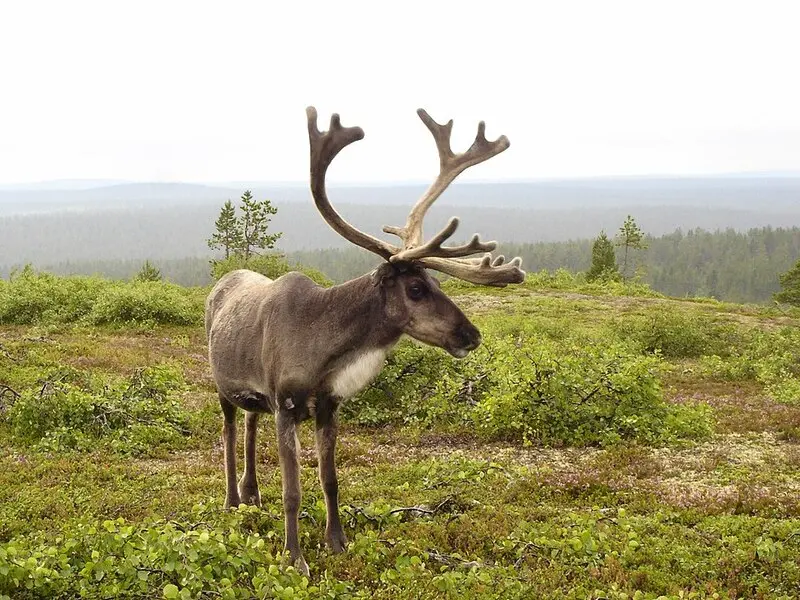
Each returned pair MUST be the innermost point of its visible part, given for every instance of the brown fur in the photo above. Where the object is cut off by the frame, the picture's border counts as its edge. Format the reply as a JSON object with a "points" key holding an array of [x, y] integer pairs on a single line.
{"points": [[285, 346]]}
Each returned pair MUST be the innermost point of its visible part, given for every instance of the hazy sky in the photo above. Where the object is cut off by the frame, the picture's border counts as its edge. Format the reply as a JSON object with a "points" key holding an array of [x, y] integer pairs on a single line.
{"points": [[171, 90]]}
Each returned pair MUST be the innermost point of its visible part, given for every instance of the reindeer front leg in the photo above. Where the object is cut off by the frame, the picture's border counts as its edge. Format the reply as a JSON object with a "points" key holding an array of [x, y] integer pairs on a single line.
{"points": [[326, 431], [288, 453]]}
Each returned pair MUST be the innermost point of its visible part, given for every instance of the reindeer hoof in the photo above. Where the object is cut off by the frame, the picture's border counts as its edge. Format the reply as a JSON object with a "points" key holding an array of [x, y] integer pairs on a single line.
{"points": [[251, 499], [301, 565], [250, 496], [231, 502], [336, 540]]}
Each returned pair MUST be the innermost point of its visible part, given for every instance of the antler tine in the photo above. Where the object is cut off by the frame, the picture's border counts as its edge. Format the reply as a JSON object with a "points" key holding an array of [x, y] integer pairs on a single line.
{"points": [[450, 166], [482, 271], [324, 147], [434, 246]]}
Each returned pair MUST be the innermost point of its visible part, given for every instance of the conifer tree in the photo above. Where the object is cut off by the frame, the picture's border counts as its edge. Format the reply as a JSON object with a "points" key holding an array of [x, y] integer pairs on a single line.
{"points": [[629, 237], [604, 265], [148, 272], [228, 234], [790, 282], [254, 225]]}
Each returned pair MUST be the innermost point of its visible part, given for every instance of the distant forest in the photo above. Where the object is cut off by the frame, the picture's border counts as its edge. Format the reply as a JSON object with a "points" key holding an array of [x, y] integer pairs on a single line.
{"points": [[160, 221], [726, 237], [727, 265]]}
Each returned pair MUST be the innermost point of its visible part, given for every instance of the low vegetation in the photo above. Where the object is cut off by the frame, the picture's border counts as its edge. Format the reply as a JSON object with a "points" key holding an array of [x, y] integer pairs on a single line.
{"points": [[604, 442], [32, 297]]}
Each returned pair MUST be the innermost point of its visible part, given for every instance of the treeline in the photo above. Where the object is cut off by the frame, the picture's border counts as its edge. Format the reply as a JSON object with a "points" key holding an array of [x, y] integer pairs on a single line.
{"points": [[736, 266], [728, 265], [174, 232]]}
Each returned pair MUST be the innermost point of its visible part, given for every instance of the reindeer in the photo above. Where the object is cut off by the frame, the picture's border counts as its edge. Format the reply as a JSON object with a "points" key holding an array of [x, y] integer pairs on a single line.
{"points": [[294, 349]]}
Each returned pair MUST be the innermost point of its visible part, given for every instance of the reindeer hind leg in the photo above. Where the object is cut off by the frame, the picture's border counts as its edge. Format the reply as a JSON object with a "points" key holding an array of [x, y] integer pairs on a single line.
{"points": [[248, 484], [229, 445], [326, 430], [288, 451]]}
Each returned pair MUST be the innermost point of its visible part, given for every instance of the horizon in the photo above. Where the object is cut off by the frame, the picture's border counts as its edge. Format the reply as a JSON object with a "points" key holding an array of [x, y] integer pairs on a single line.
{"points": [[91, 183]]}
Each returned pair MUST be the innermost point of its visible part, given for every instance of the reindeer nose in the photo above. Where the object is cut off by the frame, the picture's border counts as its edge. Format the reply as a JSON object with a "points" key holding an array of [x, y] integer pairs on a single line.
{"points": [[470, 337]]}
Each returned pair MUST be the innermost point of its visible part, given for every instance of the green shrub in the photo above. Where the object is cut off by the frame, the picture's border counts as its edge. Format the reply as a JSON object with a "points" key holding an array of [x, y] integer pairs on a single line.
{"points": [[528, 388], [407, 391], [575, 395], [784, 388], [566, 281], [113, 558], [561, 279], [678, 334], [32, 298], [270, 265], [146, 303], [69, 411], [770, 357]]}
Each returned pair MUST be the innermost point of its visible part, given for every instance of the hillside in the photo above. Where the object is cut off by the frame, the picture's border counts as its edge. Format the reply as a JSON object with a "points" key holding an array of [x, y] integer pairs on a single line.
{"points": [[739, 192], [604, 442], [173, 220]]}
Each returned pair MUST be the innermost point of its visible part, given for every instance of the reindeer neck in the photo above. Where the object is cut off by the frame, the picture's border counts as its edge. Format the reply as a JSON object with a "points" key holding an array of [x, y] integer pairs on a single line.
{"points": [[358, 309]]}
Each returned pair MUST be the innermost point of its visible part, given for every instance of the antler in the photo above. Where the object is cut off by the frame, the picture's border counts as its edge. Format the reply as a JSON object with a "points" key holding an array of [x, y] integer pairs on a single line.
{"points": [[450, 166], [450, 260], [483, 271], [432, 254], [324, 147]]}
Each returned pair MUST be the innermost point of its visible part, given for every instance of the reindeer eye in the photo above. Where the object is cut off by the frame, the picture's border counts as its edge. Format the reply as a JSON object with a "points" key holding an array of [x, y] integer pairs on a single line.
{"points": [[416, 291]]}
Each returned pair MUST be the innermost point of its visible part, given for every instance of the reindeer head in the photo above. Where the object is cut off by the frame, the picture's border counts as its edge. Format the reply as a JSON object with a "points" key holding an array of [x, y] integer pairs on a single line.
{"points": [[414, 300]]}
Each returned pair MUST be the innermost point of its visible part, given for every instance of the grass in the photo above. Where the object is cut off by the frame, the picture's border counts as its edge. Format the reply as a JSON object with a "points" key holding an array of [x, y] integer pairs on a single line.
{"points": [[431, 511]]}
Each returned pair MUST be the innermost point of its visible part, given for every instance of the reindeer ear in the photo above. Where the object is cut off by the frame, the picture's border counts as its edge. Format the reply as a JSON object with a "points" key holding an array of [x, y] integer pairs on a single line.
{"points": [[382, 273]]}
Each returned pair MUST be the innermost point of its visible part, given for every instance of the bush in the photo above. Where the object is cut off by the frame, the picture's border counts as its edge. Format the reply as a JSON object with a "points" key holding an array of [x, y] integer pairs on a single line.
{"points": [[771, 358], [580, 395], [32, 298], [677, 334], [155, 559], [146, 303], [269, 265], [69, 411], [407, 391], [524, 387], [563, 280]]}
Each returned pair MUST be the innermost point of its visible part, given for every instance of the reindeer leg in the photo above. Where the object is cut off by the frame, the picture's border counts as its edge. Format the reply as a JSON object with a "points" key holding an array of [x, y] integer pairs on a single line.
{"points": [[326, 430], [248, 484], [288, 453], [229, 445]]}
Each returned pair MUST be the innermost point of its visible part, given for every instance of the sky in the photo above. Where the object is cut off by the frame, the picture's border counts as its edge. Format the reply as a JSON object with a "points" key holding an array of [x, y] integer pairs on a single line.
{"points": [[194, 91]]}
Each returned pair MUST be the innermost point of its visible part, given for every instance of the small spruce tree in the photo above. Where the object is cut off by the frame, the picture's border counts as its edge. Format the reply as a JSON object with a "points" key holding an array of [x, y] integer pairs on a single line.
{"points": [[604, 262], [255, 222], [228, 235], [241, 238], [790, 284], [148, 272], [629, 237]]}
